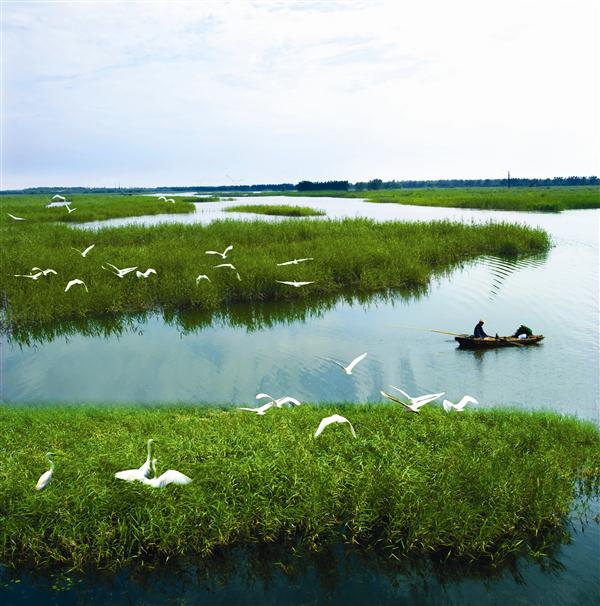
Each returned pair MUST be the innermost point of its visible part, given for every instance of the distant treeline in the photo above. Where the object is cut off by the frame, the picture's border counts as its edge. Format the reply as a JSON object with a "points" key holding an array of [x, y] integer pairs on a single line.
{"points": [[321, 186]]}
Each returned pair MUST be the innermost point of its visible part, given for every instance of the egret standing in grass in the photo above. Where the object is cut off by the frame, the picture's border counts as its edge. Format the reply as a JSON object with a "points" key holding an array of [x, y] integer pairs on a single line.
{"points": [[333, 419], [171, 476], [129, 475], [449, 406], [347, 369], [46, 477]]}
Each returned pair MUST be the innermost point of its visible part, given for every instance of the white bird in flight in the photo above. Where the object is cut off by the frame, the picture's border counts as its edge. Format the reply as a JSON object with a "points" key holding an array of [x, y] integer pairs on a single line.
{"points": [[162, 198], [129, 475], [333, 419], [295, 261], [202, 277], [449, 406], [58, 197], [145, 274], [69, 208], [46, 477], [15, 218], [74, 282], [223, 254], [294, 283], [172, 201], [279, 402], [44, 271], [86, 251], [119, 272], [419, 400], [230, 266], [348, 369], [171, 476], [261, 410], [38, 272]]}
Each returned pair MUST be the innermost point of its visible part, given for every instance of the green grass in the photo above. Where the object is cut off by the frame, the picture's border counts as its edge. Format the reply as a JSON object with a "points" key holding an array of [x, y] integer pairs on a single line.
{"points": [[480, 484], [281, 210], [544, 199], [352, 255], [90, 207]]}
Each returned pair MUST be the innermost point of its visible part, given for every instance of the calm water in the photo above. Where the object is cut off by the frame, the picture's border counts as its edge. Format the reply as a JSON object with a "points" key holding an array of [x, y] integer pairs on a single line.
{"points": [[276, 348]]}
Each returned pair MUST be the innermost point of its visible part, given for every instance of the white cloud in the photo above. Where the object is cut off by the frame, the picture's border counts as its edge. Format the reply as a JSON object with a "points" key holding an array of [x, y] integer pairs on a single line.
{"points": [[180, 92]]}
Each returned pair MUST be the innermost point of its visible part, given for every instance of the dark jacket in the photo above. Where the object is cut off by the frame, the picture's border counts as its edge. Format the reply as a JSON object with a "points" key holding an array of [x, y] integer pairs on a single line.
{"points": [[479, 333]]}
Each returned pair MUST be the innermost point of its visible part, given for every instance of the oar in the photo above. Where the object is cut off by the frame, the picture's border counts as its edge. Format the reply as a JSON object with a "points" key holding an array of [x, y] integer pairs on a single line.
{"points": [[446, 332]]}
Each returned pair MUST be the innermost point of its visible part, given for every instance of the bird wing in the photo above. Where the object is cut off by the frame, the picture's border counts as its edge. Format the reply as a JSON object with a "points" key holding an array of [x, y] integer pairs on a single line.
{"points": [[286, 263], [230, 247], [212, 252], [127, 270], [202, 277], [465, 400], [322, 425], [15, 218], [287, 400], [422, 400], [225, 265], [87, 250], [114, 267], [394, 399], [448, 406], [248, 409], [260, 396], [355, 362], [402, 392], [49, 271], [172, 476], [129, 475], [284, 282]]}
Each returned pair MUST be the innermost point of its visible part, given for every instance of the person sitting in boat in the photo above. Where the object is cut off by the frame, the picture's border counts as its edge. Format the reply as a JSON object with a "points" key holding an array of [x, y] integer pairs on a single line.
{"points": [[523, 332], [479, 333]]}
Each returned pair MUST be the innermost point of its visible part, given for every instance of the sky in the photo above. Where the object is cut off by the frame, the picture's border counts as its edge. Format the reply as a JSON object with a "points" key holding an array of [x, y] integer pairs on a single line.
{"points": [[189, 93]]}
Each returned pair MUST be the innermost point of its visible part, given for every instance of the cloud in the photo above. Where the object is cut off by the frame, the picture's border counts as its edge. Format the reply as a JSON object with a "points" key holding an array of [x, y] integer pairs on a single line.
{"points": [[176, 92]]}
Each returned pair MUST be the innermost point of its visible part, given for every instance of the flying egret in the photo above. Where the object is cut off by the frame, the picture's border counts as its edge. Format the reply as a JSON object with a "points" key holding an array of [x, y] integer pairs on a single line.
{"points": [[261, 410], [333, 419], [162, 198], [34, 276], [86, 251], [129, 475], [15, 218], [294, 283], [279, 402], [119, 272], [202, 277], [171, 476], [230, 266], [44, 271], [419, 400], [59, 197], [448, 406], [46, 477], [74, 282], [70, 209], [348, 369], [145, 274], [295, 261], [172, 202], [223, 254]]}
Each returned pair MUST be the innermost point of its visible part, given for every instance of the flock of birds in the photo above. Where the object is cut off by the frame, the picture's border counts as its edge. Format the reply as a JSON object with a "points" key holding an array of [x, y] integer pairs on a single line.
{"points": [[36, 272], [172, 476]]}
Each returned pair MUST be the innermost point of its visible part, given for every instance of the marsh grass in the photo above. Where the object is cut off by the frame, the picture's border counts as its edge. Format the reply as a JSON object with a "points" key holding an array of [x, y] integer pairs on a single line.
{"points": [[90, 207], [541, 199], [279, 210], [481, 484], [350, 256]]}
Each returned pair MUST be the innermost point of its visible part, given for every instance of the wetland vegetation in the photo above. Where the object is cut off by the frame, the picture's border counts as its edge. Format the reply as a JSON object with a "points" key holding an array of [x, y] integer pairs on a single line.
{"points": [[544, 199], [279, 210], [483, 484], [356, 254], [89, 207]]}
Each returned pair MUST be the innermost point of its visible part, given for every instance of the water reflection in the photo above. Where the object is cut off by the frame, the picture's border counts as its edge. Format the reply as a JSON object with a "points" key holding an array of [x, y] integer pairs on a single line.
{"points": [[280, 573]]}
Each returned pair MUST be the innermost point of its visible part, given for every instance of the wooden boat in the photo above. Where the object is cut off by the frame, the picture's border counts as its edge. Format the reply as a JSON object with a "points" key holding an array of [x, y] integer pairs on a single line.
{"points": [[469, 342]]}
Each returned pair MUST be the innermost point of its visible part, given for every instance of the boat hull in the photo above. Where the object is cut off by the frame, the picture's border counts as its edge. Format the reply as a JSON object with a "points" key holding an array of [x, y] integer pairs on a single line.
{"points": [[491, 342]]}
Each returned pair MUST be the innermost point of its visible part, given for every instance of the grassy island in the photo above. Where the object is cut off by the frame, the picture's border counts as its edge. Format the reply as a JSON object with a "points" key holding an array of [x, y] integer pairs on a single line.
{"points": [[541, 199], [280, 210], [89, 207], [352, 255], [479, 484]]}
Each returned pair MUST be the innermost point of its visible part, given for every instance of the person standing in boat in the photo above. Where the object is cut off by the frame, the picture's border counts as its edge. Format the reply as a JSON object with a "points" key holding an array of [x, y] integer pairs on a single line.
{"points": [[478, 332]]}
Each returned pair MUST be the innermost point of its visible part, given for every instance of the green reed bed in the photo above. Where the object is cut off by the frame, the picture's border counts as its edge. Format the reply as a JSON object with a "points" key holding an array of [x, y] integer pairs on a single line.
{"points": [[544, 199], [90, 207], [351, 255], [480, 484], [280, 210]]}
